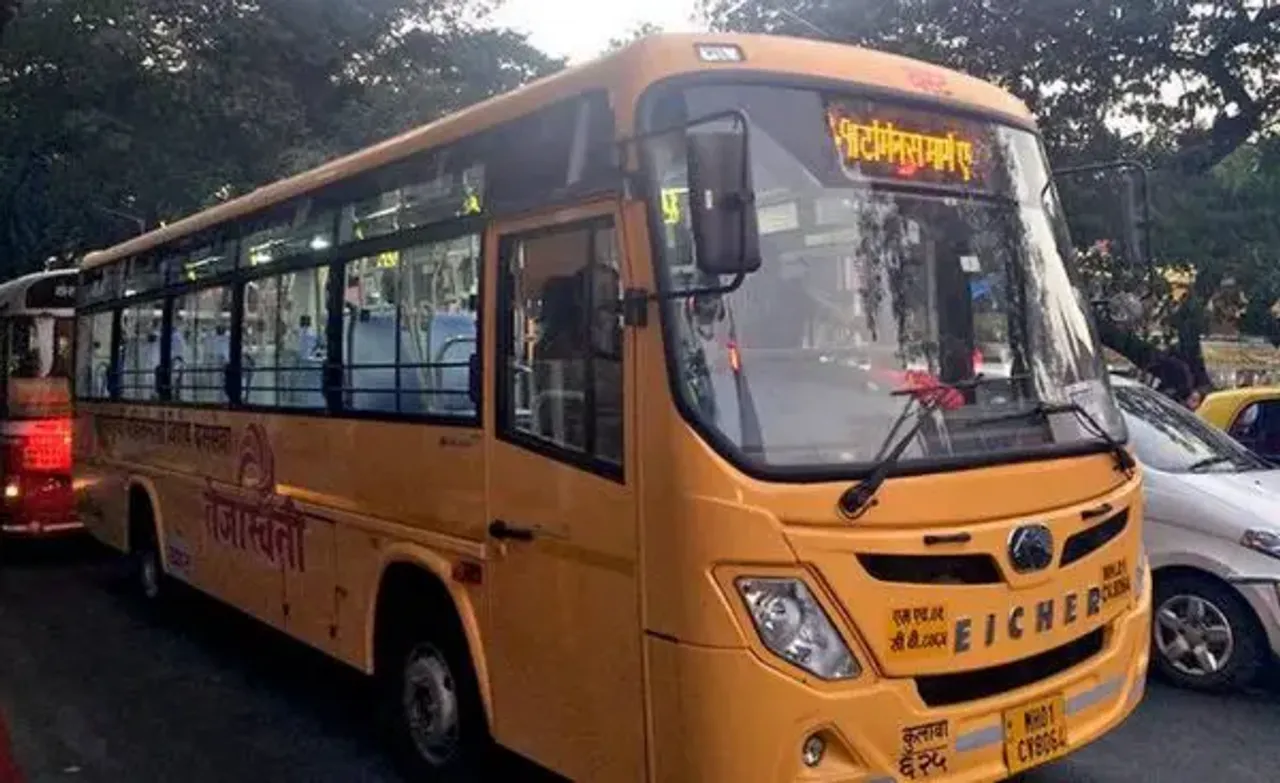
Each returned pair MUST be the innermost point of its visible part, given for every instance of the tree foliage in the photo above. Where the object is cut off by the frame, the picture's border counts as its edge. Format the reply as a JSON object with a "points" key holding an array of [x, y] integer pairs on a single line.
{"points": [[8, 10], [156, 108], [1202, 71], [1190, 87], [642, 30]]}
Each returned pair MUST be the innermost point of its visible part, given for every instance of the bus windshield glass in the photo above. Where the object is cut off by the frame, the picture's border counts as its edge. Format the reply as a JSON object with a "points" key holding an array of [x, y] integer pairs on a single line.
{"points": [[40, 346], [903, 248]]}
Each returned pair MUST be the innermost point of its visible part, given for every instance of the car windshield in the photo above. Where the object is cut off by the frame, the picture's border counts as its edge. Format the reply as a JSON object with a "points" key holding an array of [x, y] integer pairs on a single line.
{"points": [[900, 247], [1170, 438]]}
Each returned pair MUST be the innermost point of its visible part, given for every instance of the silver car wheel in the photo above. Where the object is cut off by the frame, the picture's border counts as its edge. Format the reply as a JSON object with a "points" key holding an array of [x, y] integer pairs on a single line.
{"points": [[1194, 635]]}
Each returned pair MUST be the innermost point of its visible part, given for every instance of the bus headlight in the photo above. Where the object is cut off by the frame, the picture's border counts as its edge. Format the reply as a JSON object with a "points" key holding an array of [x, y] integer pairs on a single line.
{"points": [[792, 625]]}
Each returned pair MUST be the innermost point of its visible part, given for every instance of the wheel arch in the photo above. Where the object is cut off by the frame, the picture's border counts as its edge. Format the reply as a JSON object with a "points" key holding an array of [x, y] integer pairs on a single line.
{"points": [[408, 568], [139, 489]]}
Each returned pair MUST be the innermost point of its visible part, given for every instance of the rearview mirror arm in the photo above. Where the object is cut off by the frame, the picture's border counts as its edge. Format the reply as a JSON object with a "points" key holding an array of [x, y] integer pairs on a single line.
{"points": [[635, 301], [683, 126]]}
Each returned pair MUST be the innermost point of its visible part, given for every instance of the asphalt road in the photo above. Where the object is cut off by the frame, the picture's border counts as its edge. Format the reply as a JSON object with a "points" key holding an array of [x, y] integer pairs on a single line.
{"points": [[96, 690]]}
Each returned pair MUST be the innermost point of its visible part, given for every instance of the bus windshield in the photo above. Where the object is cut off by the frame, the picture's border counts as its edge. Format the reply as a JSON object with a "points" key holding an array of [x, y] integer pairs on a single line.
{"points": [[40, 346], [901, 247]]}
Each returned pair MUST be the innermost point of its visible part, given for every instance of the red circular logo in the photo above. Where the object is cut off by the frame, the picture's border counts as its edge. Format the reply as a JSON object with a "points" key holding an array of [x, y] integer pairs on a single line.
{"points": [[257, 463]]}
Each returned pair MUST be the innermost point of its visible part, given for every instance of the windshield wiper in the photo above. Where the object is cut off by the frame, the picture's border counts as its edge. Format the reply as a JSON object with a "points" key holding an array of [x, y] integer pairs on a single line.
{"points": [[1207, 462], [1124, 460], [855, 501]]}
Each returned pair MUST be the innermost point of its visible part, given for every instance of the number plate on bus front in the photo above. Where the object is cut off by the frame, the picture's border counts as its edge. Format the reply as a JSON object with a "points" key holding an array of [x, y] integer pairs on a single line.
{"points": [[1035, 733]]}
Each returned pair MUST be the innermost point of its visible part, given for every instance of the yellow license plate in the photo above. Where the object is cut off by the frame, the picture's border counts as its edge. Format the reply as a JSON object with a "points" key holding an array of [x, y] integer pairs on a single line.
{"points": [[1035, 733]]}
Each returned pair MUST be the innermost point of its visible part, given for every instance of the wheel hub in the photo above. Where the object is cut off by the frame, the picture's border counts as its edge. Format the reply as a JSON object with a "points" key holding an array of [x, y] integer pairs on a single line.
{"points": [[1194, 635], [430, 703]]}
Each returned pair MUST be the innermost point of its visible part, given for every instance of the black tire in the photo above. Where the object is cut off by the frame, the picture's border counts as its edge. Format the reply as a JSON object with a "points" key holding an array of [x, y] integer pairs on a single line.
{"points": [[1247, 652], [146, 569], [436, 658]]}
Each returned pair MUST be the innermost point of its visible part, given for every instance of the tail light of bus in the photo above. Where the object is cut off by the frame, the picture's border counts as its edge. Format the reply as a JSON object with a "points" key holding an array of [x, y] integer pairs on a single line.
{"points": [[42, 450], [794, 626]]}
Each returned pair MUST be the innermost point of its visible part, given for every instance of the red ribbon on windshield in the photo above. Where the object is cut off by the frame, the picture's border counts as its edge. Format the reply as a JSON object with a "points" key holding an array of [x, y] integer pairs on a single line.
{"points": [[924, 386]]}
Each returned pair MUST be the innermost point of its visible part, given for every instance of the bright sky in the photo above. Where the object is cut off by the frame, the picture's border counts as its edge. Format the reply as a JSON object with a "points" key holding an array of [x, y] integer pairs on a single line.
{"points": [[582, 29]]}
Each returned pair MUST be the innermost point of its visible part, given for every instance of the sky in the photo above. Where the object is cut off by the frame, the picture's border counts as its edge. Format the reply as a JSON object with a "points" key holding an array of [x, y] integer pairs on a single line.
{"points": [[582, 29]]}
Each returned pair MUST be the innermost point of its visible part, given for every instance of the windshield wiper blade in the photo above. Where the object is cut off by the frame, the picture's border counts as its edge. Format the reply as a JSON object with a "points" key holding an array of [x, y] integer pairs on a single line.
{"points": [[1207, 462], [855, 500], [1124, 460]]}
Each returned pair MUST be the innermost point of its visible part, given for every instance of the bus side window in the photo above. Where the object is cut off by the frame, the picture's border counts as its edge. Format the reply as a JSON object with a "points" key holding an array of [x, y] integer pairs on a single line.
{"points": [[409, 329], [563, 361], [281, 357], [139, 350], [200, 345], [93, 355]]}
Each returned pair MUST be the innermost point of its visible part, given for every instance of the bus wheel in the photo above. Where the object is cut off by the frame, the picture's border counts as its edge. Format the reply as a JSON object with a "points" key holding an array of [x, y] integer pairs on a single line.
{"points": [[1204, 635], [431, 706], [147, 567]]}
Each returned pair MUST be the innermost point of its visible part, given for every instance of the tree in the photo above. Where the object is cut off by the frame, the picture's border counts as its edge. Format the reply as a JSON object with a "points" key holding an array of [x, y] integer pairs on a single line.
{"points": [[1079, 66], [1192, 80], [160, 107], [8, 10], [642, 30]]}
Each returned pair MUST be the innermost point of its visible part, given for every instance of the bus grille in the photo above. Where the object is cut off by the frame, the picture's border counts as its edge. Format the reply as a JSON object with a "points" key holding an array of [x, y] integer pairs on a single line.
{"points": [[941, 690], [932, 569], [1090, 540]]}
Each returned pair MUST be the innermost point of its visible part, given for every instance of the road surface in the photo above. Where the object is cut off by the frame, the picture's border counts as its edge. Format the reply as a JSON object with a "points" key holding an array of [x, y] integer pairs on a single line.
{"points": [[96, 690]]}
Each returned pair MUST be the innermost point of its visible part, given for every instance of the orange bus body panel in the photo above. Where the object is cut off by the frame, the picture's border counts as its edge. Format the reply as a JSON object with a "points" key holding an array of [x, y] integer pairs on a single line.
{"points": [[615, 645]]}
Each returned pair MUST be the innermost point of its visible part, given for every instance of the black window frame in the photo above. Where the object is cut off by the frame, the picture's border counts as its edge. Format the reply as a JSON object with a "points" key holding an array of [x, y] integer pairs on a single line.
{"points": [[277, 270], [597, 171], [225, 280], [158, 379], [433, 233], [505, 428]]}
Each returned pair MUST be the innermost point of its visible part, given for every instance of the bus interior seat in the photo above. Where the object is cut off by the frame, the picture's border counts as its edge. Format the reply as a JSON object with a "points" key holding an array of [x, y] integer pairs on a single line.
{"points": [[371, 339]]}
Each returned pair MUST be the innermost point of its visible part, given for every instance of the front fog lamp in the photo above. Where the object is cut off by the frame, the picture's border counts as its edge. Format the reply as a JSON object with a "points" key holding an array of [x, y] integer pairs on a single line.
{"points": [[792, 624]]}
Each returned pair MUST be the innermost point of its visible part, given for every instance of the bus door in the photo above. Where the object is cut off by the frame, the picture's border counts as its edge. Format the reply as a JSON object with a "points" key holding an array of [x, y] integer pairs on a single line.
{"points": [[563, 616]]}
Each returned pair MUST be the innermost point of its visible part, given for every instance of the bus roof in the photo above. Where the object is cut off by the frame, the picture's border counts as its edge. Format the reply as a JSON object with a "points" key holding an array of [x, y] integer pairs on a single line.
{"points": [[625, 73], [17, 295]]}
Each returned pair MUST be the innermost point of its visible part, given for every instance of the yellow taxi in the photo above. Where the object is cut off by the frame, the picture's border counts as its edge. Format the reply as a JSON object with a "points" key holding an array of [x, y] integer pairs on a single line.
{"points": [[1251, 415]]}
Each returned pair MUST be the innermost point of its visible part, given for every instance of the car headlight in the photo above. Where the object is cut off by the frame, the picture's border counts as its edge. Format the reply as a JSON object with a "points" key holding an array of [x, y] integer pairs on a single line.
{"points": [[1265, 541], [792, 625]]}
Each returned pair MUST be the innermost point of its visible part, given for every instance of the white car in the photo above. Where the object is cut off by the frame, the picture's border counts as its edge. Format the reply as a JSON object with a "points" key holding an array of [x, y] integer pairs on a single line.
{"points": [[1213, 539]]}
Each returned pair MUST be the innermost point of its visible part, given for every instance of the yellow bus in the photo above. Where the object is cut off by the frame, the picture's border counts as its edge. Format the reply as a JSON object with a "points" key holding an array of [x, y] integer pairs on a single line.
{"points": [[637, 485]]}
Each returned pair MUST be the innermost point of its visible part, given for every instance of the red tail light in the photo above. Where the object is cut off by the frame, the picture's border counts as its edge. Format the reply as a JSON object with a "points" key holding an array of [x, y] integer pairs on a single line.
{"points": [[37, 474], [44, 448]]}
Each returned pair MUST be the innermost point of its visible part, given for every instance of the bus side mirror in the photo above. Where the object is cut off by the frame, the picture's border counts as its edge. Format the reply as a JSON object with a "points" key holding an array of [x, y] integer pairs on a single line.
{"points": [[721, 200], [474, 379]]}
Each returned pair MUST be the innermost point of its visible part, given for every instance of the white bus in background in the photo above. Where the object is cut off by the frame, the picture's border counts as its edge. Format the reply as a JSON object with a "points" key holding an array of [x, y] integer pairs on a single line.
{"points": [[37, 324]]}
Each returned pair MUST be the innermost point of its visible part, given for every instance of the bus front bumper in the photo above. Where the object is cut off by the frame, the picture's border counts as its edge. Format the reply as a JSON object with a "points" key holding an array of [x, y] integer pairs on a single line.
{"points": [[723, 714]]}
